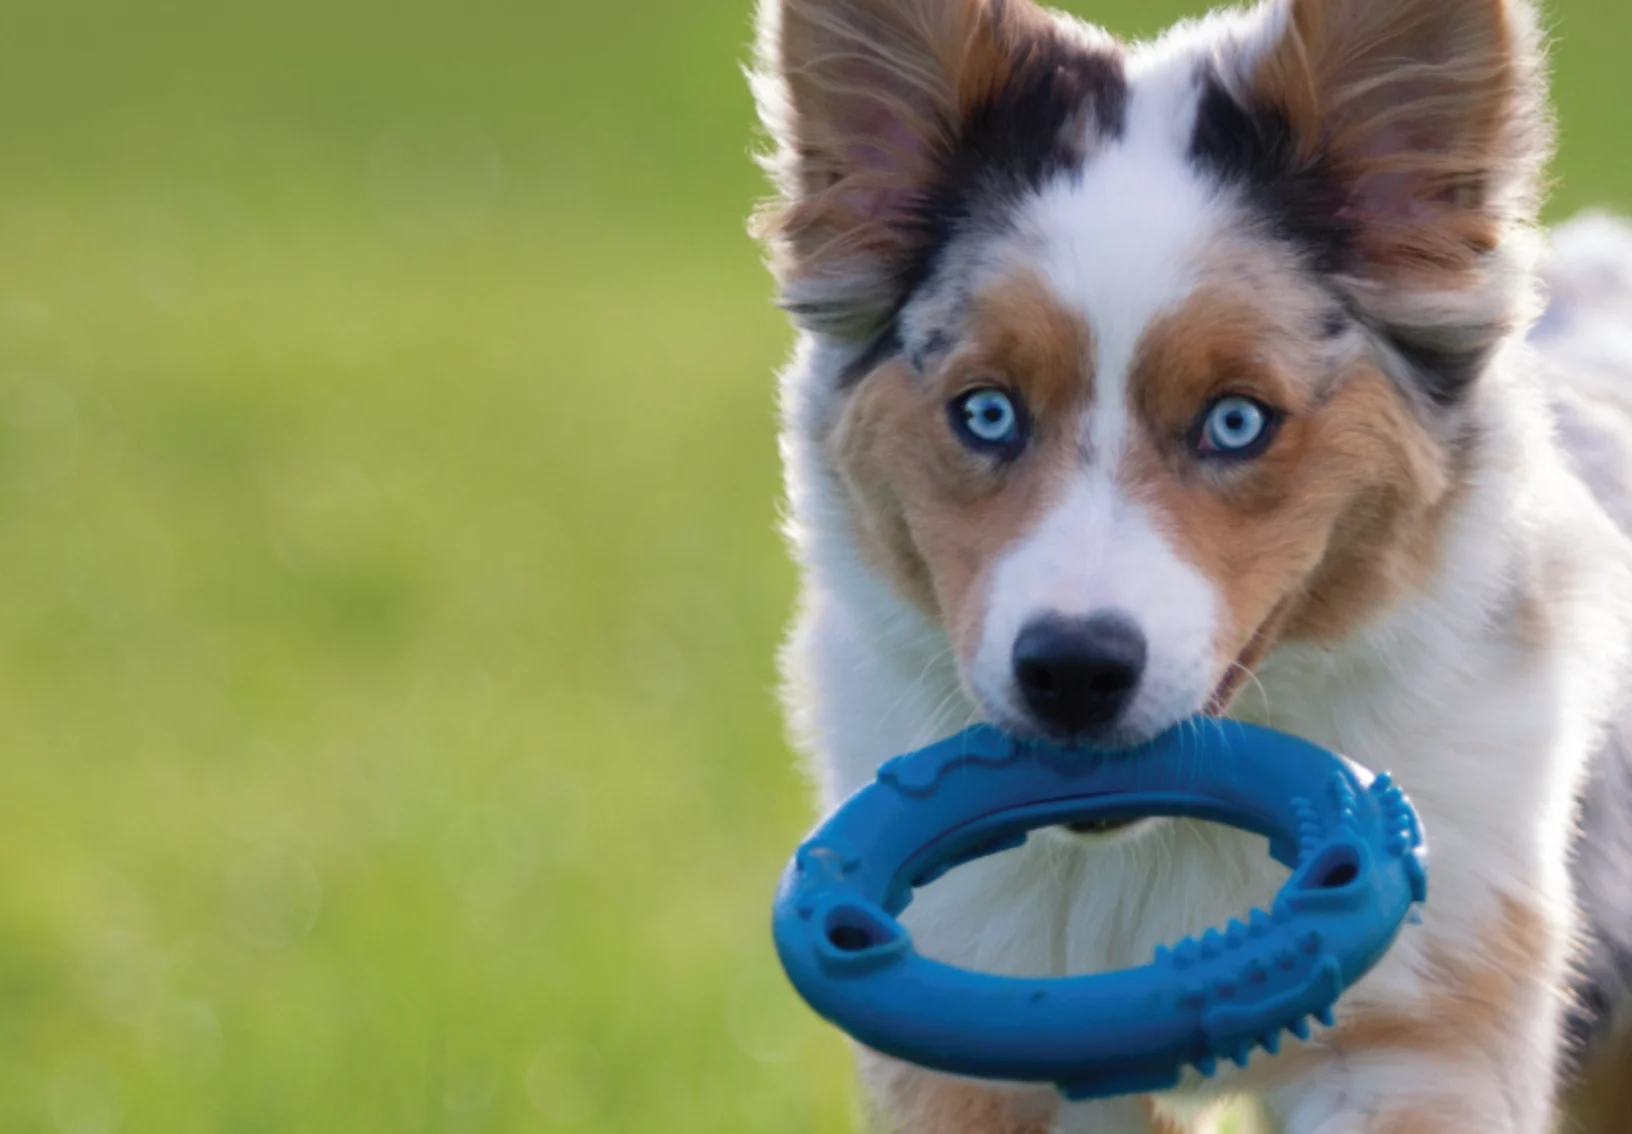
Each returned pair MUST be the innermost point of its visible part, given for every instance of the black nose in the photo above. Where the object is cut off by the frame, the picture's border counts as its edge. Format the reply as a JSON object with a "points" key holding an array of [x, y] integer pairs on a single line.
{"points": [[1077, 674]]}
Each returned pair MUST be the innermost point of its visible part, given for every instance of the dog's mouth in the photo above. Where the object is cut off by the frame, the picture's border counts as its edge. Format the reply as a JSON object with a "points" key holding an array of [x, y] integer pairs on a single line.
{"points": [[1218, 703], [1100, 826]]}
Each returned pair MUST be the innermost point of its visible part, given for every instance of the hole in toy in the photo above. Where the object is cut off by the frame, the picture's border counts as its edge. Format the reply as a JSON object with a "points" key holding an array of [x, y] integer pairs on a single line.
{"points": [[851, 930], [850, 938], [1337, 868], [1340, 875]]}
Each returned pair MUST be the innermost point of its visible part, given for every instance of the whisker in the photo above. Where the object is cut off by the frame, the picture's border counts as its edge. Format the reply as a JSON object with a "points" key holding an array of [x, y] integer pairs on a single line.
{"points": [[928, 671]]}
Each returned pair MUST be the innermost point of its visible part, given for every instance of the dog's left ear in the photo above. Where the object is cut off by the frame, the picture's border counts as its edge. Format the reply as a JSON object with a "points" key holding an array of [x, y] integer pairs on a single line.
{"points": [[887, 113], [1419, 131]]}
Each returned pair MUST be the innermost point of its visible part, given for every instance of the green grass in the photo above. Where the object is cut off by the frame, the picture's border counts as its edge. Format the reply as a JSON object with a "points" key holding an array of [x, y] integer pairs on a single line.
{"points": [[389, 583]]}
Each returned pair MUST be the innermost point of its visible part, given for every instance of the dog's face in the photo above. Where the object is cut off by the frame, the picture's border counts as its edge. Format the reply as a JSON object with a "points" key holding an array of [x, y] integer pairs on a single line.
{"points": [[1159, 359]]}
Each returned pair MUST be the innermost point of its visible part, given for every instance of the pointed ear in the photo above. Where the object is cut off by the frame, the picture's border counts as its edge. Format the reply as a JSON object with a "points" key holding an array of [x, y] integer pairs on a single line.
{"points": [[887, 114], [1428, 117], [1402, 143]]}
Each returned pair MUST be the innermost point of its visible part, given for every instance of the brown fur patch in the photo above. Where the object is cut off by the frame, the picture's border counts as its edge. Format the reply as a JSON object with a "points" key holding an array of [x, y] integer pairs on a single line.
{"points": [[1472, 995], [1336, 519], [873, 90], [932, 514], [1531, 619]]}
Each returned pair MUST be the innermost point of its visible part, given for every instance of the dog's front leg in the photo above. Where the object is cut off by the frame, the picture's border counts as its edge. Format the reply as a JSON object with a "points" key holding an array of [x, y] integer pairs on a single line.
{"points": [[1457, 1032]]}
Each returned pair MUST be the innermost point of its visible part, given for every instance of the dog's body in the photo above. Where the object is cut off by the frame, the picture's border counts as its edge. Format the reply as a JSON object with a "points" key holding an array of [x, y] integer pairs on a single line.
{"points": [[1199, 377]]}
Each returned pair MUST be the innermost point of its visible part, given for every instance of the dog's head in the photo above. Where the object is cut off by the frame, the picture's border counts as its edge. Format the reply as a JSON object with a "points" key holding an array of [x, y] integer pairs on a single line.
{"points": [[1148, 359]]}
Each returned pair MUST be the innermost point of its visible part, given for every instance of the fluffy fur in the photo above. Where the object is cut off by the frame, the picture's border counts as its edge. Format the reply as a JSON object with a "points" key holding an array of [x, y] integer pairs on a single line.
{"points": [[1325, 206]]}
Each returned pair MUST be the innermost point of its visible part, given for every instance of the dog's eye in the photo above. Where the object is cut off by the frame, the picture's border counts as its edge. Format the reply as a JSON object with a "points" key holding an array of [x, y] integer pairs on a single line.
{"points": [[988, 420], [1235, 427]]}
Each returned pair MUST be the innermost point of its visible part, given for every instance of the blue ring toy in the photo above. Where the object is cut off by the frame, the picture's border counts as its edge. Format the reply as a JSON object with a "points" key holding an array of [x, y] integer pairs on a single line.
{"points": [[1354, 844]]}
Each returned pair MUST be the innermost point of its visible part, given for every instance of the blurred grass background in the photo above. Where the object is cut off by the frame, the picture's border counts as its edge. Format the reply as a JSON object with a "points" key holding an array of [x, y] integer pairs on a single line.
{"points": [[388, 577]]}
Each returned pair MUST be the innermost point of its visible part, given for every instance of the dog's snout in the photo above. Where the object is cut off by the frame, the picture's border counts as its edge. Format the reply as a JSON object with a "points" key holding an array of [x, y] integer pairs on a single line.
{"points": [[1078, 674]]}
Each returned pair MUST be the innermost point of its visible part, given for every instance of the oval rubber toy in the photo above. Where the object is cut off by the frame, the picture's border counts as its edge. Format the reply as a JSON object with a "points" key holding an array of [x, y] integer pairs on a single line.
{"points": [[1354, 844]]}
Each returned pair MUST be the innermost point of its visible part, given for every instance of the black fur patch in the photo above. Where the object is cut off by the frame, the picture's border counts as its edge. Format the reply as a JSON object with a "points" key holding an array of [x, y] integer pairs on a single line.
{"points": [[885, 346], [1253, 147], [935, 343], [1028, 132], [1602, 867], [1443, 373]]}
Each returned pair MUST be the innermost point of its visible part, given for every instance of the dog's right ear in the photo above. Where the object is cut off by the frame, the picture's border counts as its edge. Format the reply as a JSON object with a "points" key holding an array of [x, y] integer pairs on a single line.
{"points": [[882, 112], [861, 98]]}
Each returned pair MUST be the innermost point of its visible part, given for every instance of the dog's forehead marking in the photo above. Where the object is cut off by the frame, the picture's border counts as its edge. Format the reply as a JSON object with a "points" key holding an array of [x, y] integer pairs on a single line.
{"points": [[1121, 243]]}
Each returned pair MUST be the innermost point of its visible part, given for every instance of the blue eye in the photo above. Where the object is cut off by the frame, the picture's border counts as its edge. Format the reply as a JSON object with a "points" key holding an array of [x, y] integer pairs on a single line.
{"points": [[1235, 427], [988, 419]]}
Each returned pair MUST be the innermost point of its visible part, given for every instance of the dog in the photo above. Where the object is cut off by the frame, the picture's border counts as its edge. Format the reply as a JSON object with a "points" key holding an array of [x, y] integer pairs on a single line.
{"points": [[1226, 373]]}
